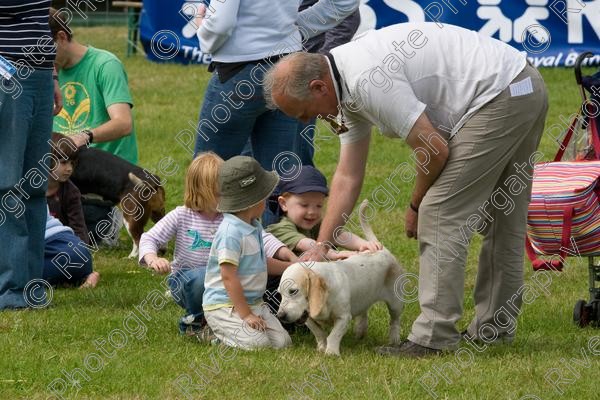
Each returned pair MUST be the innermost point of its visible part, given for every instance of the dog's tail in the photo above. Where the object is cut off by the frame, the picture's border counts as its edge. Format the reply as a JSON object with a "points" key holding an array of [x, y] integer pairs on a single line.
{"points": [[364, 223], [134, 179], [138, 181]]}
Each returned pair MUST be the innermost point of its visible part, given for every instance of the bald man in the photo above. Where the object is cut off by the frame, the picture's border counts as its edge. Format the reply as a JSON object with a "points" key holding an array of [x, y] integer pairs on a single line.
{"points": [[473, 110]]}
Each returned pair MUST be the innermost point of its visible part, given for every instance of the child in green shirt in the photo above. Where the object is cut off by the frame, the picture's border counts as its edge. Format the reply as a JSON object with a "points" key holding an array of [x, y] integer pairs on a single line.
{"points": [[301, 201]]}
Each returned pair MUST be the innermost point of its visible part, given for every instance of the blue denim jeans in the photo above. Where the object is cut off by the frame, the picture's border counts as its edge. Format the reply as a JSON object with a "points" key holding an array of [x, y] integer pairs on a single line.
{"points": [[187, 289], [306, 142], [68, 266], [25, 127], [235, 112]]}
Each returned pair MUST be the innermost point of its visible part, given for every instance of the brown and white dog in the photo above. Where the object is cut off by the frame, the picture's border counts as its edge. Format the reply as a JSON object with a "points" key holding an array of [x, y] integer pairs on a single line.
{"points": [[138, 193], [332, 293]]}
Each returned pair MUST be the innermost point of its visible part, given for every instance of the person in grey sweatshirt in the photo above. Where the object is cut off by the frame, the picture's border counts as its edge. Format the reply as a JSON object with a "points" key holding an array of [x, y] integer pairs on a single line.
{"points": [[244, 39]]}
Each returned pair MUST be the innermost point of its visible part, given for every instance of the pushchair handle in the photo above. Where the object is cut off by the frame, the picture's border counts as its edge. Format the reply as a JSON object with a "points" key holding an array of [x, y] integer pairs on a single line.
{"points": [[578, 62]]}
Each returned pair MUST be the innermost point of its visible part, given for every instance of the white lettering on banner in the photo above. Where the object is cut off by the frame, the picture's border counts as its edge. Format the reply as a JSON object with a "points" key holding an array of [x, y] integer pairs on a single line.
{"points": [[554, 61], [572, 57], [548, 61], [498, 22], [561, 9], [537, 12], [575, 20], [571, 12], [195, 54], [368, 17]]}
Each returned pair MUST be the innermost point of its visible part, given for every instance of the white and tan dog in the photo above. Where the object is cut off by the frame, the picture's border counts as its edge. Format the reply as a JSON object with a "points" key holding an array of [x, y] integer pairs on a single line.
{"points": [[332, 293]]}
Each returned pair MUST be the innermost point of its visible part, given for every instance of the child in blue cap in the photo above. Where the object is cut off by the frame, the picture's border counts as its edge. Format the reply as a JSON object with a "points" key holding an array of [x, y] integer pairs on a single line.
{"points": [[301, 200]]}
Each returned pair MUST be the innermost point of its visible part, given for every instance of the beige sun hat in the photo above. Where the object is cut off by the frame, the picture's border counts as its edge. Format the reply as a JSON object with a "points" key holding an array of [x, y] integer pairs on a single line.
{"points": [[244, 183]]}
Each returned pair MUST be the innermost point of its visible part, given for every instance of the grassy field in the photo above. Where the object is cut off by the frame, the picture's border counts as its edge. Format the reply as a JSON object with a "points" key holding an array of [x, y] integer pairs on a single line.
{"points": [[120, 340]]}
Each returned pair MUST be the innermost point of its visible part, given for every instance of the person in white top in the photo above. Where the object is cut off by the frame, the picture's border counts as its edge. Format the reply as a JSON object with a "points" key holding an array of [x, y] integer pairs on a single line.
{"points": [[244, 38], [473, 111]]}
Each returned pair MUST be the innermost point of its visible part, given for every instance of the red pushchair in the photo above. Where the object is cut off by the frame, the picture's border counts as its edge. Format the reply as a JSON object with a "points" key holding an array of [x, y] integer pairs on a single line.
{"points": [[564, 212]]}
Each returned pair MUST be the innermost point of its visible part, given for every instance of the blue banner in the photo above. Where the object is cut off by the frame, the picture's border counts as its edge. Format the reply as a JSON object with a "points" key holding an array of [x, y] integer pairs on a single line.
{"points": [[552, 32]]}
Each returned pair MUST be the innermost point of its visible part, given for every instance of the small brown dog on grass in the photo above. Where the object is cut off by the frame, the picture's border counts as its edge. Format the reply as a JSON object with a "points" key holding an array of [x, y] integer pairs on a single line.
{"points": [[138, 193]]}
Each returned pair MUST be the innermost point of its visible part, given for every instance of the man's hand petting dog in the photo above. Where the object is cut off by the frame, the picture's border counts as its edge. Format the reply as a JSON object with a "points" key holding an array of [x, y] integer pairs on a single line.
{"points": [[372, 245], [341, 255], [160, 265], [321, 253], [316, 253], [255, 322]]}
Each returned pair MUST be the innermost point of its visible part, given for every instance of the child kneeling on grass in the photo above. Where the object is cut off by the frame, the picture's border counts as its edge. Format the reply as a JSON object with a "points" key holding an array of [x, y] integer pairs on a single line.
{"points": [[236, 275], [194, 225], [67, 261]]}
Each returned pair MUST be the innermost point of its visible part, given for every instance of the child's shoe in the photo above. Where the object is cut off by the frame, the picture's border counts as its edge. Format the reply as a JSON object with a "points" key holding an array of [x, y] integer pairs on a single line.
{"points": [[191, 324], [207, 336]]}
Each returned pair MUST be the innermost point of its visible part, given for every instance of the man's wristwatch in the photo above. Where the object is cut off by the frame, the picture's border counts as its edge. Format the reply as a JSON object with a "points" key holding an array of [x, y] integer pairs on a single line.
{"points": [[89, 134]]}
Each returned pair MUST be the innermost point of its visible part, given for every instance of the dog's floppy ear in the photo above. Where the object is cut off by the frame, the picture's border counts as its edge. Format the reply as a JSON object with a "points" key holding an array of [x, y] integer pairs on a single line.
{"points": [[317, 294]]}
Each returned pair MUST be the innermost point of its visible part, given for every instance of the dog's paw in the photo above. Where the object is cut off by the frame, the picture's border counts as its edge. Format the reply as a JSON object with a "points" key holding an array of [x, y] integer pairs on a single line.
{"points": [[332, 352], [321, 347]]}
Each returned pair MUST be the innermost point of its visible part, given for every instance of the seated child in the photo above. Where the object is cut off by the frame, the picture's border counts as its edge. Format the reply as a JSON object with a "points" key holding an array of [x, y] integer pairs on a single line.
{"points": [[236, 275], [301, 201], [66, 259], [193, 226], [63, 197]]}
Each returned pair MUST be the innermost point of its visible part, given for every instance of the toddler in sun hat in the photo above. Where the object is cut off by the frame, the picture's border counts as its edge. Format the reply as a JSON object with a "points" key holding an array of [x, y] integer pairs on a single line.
{"points": [[236, 275]]}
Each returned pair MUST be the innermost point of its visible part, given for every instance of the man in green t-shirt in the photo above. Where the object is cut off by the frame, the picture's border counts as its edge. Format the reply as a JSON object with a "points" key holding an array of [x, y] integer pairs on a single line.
{"points": [[97, 103]]}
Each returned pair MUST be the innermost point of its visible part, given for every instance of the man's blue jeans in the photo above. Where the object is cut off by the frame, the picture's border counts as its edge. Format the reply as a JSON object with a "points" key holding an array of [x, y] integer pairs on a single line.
{"points": [[25, 127], [187, 289], [235, 112]]}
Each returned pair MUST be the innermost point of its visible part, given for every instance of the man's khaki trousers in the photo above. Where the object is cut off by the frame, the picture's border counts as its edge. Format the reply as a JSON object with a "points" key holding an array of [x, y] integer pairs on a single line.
{"points": [[484, 188]]}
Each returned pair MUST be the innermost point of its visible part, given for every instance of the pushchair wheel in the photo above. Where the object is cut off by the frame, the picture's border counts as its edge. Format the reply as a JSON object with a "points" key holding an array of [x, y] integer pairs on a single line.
{"points": [[594, 307], [581, 313]]}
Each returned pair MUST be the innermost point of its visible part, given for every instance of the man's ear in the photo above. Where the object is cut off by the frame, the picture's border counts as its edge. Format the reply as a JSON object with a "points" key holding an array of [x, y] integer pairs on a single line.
{"points": [[318, 86], [282, 203]]}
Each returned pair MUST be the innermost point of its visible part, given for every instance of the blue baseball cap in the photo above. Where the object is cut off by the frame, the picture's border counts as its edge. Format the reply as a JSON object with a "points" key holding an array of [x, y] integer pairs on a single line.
{"points": [[309, 179]]}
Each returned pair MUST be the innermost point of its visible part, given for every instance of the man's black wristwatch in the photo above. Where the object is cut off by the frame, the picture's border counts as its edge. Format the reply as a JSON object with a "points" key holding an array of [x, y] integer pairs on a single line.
{"points": [[89, 134]]}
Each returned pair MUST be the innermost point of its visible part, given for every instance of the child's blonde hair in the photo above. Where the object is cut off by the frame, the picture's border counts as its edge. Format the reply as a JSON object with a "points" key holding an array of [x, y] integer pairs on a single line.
{"points": [[201, 182]]}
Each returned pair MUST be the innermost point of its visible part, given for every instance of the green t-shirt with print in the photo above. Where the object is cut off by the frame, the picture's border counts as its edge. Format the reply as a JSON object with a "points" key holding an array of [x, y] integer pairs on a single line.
{"points": [[88, 88]]}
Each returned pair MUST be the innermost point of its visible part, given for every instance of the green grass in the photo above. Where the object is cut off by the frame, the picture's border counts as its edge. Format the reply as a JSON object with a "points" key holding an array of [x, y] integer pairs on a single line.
{"points": [[37, 346]]}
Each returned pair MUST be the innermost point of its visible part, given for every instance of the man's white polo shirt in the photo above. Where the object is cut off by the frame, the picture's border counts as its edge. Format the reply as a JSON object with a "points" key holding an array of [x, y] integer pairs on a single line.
{"points": [[392, 75]]}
